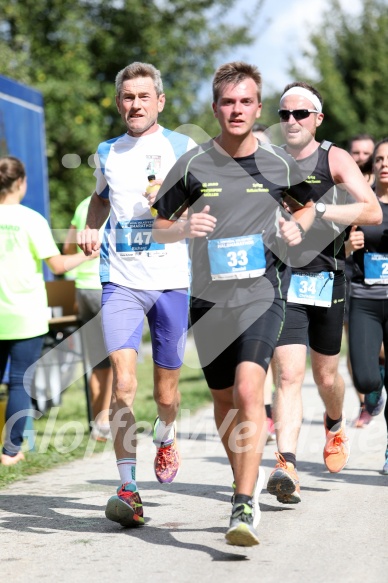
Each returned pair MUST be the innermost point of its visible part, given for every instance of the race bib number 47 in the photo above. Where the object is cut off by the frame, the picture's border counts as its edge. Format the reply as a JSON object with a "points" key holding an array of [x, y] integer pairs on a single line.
{"points": [[236, 257], [136, 236]]}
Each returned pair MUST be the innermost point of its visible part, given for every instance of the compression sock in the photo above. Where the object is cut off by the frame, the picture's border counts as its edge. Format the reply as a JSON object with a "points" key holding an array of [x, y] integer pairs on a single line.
{"points": [[330, 423], [127, 471], [242, 499]]}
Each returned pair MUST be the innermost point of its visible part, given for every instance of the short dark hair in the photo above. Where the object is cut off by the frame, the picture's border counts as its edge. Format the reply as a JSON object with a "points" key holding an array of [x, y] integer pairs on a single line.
{"points": [[359, 137], [234, 73]]}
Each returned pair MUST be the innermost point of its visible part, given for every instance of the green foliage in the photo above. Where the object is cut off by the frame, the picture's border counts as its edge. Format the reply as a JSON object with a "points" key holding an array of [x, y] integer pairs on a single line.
{"points": [[351, 59], [71, 51]]}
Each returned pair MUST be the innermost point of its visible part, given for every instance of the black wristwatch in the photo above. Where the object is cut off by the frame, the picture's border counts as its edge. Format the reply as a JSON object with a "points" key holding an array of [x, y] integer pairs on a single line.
{"points": [[320, 209], [301, 230]]}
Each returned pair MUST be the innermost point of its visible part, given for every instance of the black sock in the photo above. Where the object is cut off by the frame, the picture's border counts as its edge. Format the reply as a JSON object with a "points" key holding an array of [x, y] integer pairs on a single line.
{"points": [[331, 422], [268, 410], [242, 499], [289, 457]]}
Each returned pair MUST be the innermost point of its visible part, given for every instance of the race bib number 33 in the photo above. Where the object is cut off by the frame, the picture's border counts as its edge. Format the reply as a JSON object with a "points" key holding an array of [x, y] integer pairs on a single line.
{"points": [[236, 257]]}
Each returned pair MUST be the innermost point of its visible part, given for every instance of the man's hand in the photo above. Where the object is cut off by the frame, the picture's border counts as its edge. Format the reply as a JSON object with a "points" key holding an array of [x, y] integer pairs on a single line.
{"points": [[200, 224], [356, 240], [290, 232], [152, 191], [88, 240]]}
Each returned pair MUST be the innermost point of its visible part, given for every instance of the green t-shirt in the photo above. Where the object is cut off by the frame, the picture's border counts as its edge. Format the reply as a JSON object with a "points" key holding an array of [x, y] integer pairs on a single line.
{"points": [[25, 239], [87, 275]]}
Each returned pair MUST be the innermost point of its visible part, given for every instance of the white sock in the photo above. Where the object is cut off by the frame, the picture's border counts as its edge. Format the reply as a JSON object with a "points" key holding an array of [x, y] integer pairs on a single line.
{"points": [[127, 471], [164, 434]]}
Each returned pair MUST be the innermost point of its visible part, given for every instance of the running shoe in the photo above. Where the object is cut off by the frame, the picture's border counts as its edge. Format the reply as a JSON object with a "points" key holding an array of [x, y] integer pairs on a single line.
{"points": [[166, 463], [126, 507], [337, 450], [374, 402], [385, 467], [241, 531], [284, 482], [271, 435], [363, 420], [255, 496]]}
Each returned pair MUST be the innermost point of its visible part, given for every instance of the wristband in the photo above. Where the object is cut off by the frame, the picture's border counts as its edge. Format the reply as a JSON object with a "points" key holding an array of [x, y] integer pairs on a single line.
{"points": [[301, 230]]}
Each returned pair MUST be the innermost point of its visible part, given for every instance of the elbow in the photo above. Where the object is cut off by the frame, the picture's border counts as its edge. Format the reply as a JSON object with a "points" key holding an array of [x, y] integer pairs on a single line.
{"points": [[157, 233], [57, 270], [156, 236], [377, 216]]}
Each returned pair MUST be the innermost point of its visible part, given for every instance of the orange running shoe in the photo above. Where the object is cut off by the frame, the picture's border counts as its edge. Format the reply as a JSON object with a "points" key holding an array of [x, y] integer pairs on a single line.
{"points": [[284, 482], [337, 450]]}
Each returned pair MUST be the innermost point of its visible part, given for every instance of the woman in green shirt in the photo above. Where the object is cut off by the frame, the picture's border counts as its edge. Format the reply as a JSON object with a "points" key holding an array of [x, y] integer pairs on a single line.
{"points": [[25, 240]]}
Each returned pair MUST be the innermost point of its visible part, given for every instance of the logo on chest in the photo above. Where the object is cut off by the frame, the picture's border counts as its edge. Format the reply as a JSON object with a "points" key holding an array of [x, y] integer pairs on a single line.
{"points": [[257, 187], [211, 189]]}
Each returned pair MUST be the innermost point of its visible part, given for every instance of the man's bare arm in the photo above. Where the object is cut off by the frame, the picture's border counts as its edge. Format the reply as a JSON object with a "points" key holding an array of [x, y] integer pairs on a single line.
{"points": [[347, 175], [196, 225], [98, 211]]}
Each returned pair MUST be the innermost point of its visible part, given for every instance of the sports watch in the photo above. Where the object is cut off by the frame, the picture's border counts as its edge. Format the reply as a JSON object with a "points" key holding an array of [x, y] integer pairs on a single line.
{"points": [[320, 209]]}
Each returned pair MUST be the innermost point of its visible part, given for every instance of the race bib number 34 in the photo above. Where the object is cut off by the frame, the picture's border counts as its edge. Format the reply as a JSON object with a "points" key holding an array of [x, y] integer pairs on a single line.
{"points": [[312, 289], [376, 268], [236, 257]]}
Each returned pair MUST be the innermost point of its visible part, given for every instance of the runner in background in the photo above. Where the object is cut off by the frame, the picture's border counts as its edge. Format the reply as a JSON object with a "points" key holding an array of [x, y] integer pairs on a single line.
{"points": [[88, 294], [368, 312]]}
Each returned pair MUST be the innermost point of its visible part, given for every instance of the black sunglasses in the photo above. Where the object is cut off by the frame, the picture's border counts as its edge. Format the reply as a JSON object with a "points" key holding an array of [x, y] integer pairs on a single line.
{"points": [[298, 114]]}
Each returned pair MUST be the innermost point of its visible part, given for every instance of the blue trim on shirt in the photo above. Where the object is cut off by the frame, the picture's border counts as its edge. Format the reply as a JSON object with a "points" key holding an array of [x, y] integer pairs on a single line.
{"points": [[104, 255], [103, 151], [179, 142]]}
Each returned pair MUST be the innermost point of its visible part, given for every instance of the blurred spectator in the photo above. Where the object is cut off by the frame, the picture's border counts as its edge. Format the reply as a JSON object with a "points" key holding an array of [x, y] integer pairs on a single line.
{"points": [[25, 240], [262, 132], [361, 150], [89, 291]]}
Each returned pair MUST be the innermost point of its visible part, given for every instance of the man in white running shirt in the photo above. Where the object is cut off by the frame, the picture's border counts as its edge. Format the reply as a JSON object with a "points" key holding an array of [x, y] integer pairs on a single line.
{"points": [[139, 277]]}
